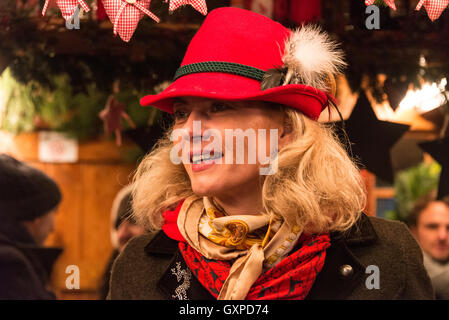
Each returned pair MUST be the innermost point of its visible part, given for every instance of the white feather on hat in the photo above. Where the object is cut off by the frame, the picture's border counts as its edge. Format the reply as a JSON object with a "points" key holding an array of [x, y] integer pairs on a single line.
{"points": [[312, 58]]}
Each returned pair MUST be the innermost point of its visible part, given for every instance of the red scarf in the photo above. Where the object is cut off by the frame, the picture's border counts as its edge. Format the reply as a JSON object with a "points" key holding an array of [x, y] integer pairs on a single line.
{"points": [[291, 279]]}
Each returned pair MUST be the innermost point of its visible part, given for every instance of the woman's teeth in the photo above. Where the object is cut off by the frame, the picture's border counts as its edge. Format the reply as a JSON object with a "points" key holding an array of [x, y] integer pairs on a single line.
{"points": [[208, 157]]}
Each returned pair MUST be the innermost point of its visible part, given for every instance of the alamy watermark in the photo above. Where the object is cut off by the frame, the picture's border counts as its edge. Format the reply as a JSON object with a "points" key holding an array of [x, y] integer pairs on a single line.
{"points": [[213, 152], [373, 280], [373, 20], [76, 20], [73, 280]]}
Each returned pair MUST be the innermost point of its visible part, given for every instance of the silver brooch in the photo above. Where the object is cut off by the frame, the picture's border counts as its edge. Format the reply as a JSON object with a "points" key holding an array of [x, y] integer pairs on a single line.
{"points": [[181, 275]]}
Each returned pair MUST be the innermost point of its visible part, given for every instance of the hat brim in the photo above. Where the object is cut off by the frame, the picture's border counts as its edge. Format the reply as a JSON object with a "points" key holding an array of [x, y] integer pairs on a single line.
{"points": [[224, 86]]}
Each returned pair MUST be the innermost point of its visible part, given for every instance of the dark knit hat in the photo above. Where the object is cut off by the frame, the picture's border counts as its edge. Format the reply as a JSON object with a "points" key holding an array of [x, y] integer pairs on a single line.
{"points": [[25, 192]]}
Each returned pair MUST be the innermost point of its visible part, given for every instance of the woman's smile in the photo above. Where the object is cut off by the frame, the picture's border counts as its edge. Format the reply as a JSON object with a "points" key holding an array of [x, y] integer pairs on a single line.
{"points": [[201, 162]]}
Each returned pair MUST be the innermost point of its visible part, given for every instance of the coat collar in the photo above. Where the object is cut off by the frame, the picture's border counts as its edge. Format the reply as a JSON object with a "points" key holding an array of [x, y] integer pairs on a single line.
{"points": [[361, 233], [161, 244], [14, 234], [330, 283]]}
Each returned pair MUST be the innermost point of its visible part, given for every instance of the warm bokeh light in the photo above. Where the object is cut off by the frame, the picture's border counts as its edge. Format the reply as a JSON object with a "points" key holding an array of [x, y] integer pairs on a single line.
{"points": [[7, 142], [429, 97]]}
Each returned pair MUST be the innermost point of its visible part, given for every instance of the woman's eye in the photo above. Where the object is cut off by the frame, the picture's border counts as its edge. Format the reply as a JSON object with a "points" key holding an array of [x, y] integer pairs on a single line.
{"points": [[180, 114], [218, 107]]}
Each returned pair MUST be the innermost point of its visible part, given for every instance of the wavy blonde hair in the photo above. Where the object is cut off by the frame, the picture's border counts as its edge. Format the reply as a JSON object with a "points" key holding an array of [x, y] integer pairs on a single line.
{"points": [[316, 187]]}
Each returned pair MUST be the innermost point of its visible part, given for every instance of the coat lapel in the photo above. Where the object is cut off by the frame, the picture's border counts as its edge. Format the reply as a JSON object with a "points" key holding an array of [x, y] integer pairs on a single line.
{"points": [[177, 282], [342, 272]]}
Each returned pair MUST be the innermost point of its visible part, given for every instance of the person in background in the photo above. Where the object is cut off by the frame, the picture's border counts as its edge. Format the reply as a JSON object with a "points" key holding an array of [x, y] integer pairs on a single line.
{"points": [[429, 223], [123, 228], [28, 203]]}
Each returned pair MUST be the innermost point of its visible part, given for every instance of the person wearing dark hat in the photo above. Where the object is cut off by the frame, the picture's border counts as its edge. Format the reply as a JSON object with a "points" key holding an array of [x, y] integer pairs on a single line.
{"points": [[250, 197], [429, 223], [28, 203], [123, 228]]}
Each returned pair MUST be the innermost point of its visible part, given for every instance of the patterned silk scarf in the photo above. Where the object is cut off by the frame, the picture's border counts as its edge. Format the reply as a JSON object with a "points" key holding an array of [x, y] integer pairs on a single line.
{"points": [[228, 254]]}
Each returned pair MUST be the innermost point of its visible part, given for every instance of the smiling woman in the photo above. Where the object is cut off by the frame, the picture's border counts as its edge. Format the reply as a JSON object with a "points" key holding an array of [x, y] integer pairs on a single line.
{"points": [[219, 229], [315, 175]]}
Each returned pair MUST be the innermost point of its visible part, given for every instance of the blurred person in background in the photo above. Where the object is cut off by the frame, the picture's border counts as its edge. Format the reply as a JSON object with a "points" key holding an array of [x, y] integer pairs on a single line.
{"points": [[429, 223], [28, 204], [123, 228]]}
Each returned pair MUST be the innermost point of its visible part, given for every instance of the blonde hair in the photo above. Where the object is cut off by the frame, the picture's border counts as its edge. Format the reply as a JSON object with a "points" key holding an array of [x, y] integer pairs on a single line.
{"points": [[316, 187]]}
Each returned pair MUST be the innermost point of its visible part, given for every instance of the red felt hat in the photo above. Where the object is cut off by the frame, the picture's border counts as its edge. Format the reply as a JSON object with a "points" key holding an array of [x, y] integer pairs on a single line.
{"points": [[230, 55]]}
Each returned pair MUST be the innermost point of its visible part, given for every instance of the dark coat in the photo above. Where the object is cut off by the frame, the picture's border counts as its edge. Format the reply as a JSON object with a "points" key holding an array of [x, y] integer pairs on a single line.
{"points": [[24, 266], [147, 268]]}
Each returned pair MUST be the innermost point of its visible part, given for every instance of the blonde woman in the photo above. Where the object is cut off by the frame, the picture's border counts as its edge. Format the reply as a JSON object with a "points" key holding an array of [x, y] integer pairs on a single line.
{"points": [[248, 196]]}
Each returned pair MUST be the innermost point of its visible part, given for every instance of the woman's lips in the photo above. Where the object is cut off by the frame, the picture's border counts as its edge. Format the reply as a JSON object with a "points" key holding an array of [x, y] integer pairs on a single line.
{"points": [[202, 166], [198, 164]]}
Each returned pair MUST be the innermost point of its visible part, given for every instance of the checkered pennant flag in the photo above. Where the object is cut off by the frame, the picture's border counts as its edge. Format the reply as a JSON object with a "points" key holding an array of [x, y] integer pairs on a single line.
{"points": [[198, 5], [390, 3], [126, 14], [434, 8], [67, 7]]}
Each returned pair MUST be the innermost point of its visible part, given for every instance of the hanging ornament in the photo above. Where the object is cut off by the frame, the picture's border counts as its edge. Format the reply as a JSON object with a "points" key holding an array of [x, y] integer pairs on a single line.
{"points": [[390, 3], [112, 115], [434, 8], [126, 14], [198, 5], [67, 7]]}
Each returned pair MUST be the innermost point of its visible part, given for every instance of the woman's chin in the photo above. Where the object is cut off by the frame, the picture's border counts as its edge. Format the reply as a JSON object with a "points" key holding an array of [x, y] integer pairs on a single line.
{"points": [[205, 190], [206, 182], [208, 185]]}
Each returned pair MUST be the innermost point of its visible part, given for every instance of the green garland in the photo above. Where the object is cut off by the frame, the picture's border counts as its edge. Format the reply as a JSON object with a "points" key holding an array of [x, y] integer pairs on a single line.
{"points": [[31, 106], [410, 185], [17, 107]]}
